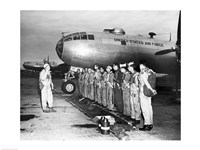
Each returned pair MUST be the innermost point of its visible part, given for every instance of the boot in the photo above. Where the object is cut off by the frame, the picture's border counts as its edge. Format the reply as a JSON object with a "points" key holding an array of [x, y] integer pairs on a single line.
{"points": [[52, 110], [145, 128], [46, 111]]}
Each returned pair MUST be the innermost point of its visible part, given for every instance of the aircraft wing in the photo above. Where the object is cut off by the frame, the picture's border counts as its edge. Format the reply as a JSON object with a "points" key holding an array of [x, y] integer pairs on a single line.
{"points": [[38, 66]]}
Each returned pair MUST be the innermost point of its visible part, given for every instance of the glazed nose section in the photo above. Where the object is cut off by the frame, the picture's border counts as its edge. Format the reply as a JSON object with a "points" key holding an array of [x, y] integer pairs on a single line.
{"points": [[59, 48]]}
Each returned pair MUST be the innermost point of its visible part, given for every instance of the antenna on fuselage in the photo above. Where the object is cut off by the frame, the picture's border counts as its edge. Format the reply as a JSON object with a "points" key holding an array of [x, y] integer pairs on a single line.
{"points": [[170, 37], [152, 34]]}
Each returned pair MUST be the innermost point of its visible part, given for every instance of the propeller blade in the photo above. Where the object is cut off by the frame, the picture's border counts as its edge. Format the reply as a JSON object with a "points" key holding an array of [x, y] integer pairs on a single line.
{"points": [[178, 42], [166, 51]]}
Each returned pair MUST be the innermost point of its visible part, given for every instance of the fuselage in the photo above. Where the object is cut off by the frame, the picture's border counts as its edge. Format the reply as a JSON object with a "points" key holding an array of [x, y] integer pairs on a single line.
{"points": [[85, 49]]}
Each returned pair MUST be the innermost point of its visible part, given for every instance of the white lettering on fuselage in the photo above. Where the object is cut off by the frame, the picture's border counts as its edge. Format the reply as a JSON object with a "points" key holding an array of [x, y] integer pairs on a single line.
{"points": [[139, 42]]}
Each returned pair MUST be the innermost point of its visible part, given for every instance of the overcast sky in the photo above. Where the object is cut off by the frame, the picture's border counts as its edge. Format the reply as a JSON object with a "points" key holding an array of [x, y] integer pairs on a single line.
{"points": [[41, 30]]}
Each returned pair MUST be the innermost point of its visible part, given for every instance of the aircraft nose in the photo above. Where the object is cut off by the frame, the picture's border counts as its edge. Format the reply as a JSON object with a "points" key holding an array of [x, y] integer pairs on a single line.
{"points": [[59, 48]]}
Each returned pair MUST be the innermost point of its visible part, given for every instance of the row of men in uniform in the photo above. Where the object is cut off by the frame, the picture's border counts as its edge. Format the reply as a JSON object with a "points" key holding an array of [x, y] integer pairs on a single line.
{"points": [[119, 88]]}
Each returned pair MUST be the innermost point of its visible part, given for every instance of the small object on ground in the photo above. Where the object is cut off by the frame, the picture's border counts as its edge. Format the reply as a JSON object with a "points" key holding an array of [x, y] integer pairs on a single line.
{"points": [[91, 107], [105, 126], [81, 99], [123, 136]]}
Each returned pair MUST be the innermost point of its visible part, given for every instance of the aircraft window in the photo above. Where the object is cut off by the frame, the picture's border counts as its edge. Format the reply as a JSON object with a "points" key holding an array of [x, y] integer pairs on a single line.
{"points": [[83, 37], [76, 36], [90, 37], [68, 38]]}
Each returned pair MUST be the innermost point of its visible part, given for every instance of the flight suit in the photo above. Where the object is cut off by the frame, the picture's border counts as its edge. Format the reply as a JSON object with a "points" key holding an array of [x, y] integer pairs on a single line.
{"points": [[82, 84], [126, 94], [103, 88], [109, 90], [134, 96], [86, 85], [91, 85], [46, 89], [79, 82], [145, 101], [118, 99], [98, 86]]}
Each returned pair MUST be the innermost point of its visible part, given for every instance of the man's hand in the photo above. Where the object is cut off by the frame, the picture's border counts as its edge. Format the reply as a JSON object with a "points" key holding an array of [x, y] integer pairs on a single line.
{"points": [[52, 86], [154, 92]]}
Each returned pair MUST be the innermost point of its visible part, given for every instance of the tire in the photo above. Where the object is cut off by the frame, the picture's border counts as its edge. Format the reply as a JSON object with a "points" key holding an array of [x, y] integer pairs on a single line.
{"points": [[69, 87]]}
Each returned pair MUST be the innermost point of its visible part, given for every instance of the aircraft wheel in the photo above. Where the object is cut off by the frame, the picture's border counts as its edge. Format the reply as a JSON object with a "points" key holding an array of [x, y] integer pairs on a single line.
{"points": [[69, 87]]}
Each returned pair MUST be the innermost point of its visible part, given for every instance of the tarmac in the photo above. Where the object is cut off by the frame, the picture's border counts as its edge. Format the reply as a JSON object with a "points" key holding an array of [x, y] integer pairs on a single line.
{"points": [[72, 122]]}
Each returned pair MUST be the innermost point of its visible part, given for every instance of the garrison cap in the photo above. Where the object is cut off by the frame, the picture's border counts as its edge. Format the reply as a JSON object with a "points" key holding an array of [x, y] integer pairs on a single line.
{"points": [[122, 65], [131, 63], [45, 65], [109, 67]]}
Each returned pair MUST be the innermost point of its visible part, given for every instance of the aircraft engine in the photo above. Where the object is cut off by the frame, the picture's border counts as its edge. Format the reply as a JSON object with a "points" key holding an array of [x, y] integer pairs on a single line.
{"points": [[118, 31]]}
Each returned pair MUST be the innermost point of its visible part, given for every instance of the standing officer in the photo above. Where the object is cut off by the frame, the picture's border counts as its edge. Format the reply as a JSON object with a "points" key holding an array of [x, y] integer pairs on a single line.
{"points": [[109, 88], [145, 101], [126, 91], [134, 95], [46, 86], [103, 87], [118, 99]]}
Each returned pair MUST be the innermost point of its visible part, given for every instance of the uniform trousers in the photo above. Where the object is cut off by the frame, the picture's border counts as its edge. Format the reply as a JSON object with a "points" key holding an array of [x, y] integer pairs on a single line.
{"points": [[146, 108], [46, 97]]}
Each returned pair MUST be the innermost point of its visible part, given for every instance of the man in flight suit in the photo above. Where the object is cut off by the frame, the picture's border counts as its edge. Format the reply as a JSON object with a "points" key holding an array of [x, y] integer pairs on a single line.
{"points": [[118, 99], [134, 94], [109, 88], [91, 83], [97, 85], [46, 87], [103, 87], [126, 91]]}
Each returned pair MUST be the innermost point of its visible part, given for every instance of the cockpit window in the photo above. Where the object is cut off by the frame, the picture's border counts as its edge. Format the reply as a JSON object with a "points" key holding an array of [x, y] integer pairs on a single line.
{"points": [[76, 36], [68, 38], [90, 37], [83, 37]]}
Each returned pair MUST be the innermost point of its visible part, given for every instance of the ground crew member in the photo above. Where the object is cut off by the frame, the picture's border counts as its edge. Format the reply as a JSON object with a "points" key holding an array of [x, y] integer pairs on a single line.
{"points": [[126, 91], [145, 101], [134, 95], [109, 88], [118, 99], [91, 83], [103, 87], [46, 86], [97, 84]]}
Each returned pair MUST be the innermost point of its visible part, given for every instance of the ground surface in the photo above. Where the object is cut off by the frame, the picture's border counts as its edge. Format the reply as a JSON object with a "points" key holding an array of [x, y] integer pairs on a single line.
{"points": [[69, 123]]}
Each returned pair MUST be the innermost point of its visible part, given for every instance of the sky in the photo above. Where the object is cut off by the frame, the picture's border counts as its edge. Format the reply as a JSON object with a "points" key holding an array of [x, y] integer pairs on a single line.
{"points": [[41, 30]]}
